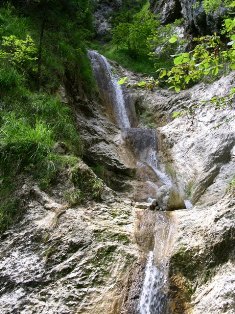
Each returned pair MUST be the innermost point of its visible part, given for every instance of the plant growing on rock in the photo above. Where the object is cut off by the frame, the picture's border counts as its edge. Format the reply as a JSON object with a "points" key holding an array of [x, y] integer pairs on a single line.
{"points": [[231, 187], [209, 59], [213, 5]]}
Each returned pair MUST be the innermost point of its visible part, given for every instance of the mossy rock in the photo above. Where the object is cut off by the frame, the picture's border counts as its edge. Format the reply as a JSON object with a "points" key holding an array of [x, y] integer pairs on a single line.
{"points": [[86, 181]]}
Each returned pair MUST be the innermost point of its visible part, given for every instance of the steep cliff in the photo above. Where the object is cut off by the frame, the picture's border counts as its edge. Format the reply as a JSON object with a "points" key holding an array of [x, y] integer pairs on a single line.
{"points": [[192, 11]]}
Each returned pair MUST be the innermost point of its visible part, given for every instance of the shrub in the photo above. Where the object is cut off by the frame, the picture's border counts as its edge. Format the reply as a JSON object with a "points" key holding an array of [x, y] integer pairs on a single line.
{"points": [[133, 36], [10, 208], [8, 212], [209, 59], [21, 53]]}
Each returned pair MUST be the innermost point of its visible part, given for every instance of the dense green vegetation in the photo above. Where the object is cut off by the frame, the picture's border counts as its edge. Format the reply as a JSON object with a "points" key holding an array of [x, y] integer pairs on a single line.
{"points": [[192, 59], [41, 43], [128, 45]]}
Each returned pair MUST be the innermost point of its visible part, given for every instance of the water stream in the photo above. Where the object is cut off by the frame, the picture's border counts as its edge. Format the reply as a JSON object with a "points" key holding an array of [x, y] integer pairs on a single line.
{"points": [[110, 90], [153, 299], [143, 142]]}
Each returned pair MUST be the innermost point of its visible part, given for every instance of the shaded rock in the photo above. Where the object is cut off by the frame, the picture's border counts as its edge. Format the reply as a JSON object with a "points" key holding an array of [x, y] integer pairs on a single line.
{"points": [[169, 10], [192, 11], [217, 295]]}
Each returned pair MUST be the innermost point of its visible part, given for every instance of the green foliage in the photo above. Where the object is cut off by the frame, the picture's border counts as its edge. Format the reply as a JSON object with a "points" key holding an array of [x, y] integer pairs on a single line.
{"points": [[127, 11], [12, 23], [10, 79], [213, 5], [20, 53], [138, 64], [166, 39], [133, 36], [42, 45], [208, 59], [9, 212], [22, 144], [123, 80], [173, 39], [74, 197], [176, 114], [59, 118], [49, 39]]}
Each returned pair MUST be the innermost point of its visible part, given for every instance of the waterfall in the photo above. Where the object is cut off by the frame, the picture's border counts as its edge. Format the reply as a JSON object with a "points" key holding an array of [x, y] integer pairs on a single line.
{"points": [[153, 299], [109, 88], [143, 143], [152, 161]]}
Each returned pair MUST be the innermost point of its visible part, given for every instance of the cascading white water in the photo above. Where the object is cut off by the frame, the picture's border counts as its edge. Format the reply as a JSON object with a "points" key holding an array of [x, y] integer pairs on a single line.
{"points": [[152, 161], [113, 89], [153, 298], [144, 145]]}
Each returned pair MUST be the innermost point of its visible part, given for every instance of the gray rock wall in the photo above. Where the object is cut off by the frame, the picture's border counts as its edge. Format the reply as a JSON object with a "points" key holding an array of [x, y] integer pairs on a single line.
{"points": [[200, 148], [196, 20]]}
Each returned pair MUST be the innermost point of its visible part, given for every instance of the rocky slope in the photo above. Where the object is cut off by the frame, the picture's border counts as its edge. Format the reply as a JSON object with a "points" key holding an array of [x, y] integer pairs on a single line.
{"points": [[90, 258]]}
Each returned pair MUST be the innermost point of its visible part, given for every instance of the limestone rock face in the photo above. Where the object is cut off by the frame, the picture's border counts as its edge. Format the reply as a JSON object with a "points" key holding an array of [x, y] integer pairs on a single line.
{"points": [[103, 13], [169, 10], [103, 143], [195, 18], [74, 262], [90, 259], [199, 146]]}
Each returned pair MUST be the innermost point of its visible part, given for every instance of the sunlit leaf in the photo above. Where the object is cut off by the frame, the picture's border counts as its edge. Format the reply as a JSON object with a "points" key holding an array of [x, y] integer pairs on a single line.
{"points": [[173, 39], [123, 80]]}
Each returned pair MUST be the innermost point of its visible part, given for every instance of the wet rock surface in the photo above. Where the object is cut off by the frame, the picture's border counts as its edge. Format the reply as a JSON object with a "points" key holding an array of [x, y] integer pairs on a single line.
{"points": [[199, 146]]}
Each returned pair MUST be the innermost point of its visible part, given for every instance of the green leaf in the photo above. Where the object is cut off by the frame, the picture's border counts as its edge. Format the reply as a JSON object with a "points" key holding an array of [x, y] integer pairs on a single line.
{"points": [[233, 37], [141, 84], [178, 60], [173, 39], [232, 66], [232, 90], [163, 73], [177, 89], [187, 79], [123, 80]]}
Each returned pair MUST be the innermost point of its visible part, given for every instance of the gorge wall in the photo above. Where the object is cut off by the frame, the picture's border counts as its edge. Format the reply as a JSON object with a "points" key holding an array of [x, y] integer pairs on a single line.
{"points": [[161, 237], [195, 19], [91, 258]]}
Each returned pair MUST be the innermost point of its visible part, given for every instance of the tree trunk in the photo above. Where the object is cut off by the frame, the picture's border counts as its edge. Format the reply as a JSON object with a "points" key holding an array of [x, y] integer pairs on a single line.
{"points": [[42, 31]]}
